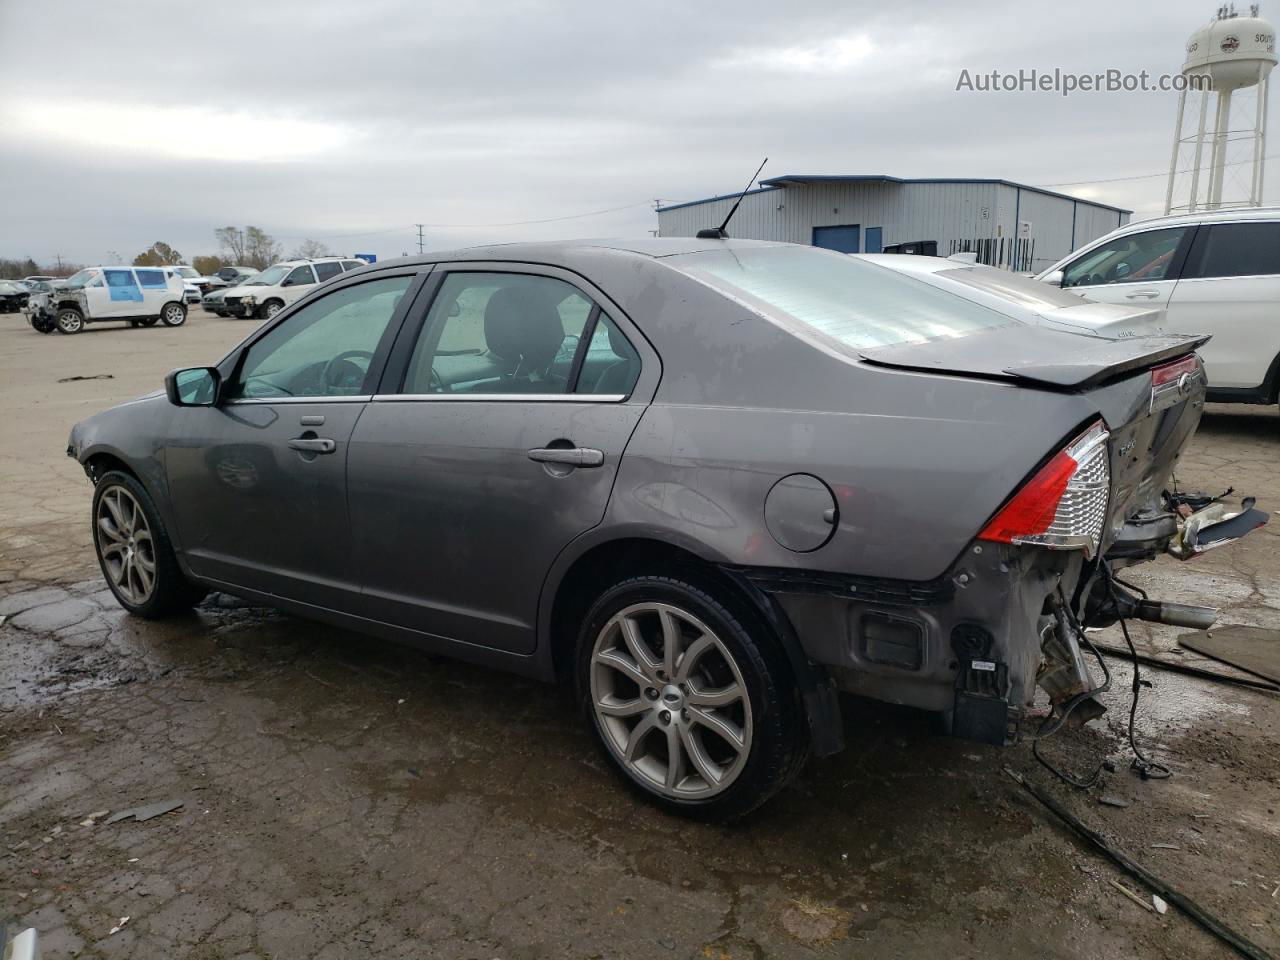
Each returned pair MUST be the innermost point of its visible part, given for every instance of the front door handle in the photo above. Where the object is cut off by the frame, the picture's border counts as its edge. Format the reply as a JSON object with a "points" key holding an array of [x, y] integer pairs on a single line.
{"points": [[1142, 295], [568, 456], [313, 444]]}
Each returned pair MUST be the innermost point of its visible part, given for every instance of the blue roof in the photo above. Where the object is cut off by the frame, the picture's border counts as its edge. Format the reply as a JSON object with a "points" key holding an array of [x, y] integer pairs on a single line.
{"points": [[790, 179]]}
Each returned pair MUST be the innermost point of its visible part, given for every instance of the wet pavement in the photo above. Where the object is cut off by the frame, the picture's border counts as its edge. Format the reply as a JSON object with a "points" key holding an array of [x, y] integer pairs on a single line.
{"points": [[343, 797]]}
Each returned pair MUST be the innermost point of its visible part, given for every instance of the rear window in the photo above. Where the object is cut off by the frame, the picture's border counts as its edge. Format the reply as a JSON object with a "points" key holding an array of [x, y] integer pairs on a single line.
{"points": [[1024, 290], [855, 303]]}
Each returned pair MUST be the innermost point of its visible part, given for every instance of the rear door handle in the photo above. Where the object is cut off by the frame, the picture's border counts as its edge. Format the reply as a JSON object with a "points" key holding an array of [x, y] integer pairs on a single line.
{"points": [[1142, 295], [313, 444], [569, 456]]}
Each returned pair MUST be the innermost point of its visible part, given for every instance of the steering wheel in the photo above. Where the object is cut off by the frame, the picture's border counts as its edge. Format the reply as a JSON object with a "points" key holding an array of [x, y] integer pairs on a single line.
{"points": [[331, 377]]}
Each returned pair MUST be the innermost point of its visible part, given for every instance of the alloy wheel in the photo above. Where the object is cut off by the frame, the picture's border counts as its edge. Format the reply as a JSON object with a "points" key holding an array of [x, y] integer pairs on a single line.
{"points": [[174, 315], [273, 308], [124, 541], [670, 700], [69, 321]]}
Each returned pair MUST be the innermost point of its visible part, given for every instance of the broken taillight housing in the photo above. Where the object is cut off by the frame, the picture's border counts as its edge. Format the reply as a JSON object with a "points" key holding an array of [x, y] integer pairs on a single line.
{"points": [[1064, 505]]}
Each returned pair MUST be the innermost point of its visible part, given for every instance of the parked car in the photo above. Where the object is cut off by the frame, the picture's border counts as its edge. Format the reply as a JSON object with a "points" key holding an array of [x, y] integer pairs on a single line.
{"points": [[13, 296], [1216, 272], [1024, 297], [40, 279], [139, 295], [270, 291], [212, 301], [230, 277], [709, 482]]}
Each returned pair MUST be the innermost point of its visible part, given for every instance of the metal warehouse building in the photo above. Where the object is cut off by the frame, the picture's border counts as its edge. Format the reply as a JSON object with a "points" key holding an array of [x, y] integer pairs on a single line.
{"points": [[1006, 224]]}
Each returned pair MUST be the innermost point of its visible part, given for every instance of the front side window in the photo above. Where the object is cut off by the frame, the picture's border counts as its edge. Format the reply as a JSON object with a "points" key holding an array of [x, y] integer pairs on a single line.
{"points": [[328, 270], [299, 277], [1136, 258], [856, 303], [325, 349], [499, 333], [1235, 250]]}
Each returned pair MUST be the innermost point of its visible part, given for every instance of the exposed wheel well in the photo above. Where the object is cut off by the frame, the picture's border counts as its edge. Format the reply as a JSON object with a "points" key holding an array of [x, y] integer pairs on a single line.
{"points": [[102, 463], [607, 564]]}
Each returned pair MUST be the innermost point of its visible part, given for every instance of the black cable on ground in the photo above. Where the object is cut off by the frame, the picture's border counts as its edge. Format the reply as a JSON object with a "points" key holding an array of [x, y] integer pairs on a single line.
{"points": [[1242, 946], [1186, 669]]}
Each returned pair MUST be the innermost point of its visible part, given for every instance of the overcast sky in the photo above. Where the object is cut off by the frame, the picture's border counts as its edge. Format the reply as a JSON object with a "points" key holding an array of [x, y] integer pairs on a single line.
{"points": [[126, 123]]}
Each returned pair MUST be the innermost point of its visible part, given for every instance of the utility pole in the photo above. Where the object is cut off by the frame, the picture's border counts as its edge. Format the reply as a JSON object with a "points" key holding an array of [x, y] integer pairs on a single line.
{"points": [[419, 226]]}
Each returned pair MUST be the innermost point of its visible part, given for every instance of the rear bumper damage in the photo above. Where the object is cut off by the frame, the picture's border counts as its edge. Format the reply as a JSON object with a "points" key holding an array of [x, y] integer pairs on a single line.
{"points": [[975, 644]]}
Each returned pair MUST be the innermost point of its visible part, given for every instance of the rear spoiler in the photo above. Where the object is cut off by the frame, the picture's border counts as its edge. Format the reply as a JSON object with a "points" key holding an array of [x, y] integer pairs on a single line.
{"points": [[1052, 358]]}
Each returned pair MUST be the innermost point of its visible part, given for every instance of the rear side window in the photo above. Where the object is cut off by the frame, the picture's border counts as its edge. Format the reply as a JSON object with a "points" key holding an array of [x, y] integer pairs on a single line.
{"points": [[856, 303], [1235, 250], [328, 270], [152, 279], [611, 364], [353, 264], [123, 286]]}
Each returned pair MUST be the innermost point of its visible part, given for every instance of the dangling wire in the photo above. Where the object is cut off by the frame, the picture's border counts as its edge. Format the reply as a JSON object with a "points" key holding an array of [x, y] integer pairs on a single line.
{"points": [[1147, 769]]}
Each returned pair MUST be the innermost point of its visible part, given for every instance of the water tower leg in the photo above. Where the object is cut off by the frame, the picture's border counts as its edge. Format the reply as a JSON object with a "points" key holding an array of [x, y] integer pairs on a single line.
{"points": [[1260, 137], [1221, 127], [1177, 142], [1195, 168]]}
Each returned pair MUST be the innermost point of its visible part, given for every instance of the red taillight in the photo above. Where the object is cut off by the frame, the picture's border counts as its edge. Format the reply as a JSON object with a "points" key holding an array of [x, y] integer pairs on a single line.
{"points": [[1063, 506], [1032, 508], [1170, 372]]}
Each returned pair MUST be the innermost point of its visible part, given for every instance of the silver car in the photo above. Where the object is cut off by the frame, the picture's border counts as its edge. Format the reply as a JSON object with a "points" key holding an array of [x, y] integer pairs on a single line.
{"points": [[709, 482]]}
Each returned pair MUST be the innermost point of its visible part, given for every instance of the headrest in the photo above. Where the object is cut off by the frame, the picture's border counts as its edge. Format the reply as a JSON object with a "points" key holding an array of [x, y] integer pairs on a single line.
{"points": [[522, 326]]}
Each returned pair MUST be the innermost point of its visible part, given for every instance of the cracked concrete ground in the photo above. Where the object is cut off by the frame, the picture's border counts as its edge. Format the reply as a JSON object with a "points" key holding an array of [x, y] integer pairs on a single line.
{"points": [[343, 797]]}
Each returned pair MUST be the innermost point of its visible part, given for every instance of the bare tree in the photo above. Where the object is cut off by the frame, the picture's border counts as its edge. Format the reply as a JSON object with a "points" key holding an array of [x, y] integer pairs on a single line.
{"points": [[260, 249], [308, 249], [232, 240]]}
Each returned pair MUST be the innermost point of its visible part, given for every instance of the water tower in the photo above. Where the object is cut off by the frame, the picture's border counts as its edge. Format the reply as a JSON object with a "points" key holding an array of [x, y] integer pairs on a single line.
{"points": [[1229, 54]]}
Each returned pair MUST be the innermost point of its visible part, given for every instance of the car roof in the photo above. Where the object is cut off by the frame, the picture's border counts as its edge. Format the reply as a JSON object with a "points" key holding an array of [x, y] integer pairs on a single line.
{"points": [[1203, 216], [561, 251]]}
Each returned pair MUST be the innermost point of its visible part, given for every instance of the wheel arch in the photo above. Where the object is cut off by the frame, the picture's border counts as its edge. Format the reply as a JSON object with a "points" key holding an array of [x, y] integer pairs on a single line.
{"points": [[578, 577]]}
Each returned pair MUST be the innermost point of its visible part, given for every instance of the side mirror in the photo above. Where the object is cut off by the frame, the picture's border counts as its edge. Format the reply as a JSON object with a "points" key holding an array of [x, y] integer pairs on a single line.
{"points": [[1054, 279], [193, 387]]}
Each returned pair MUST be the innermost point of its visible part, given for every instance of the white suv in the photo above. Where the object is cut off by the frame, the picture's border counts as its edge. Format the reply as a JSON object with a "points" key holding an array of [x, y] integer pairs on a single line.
{"points": [[1215, 272], [270, 291]]}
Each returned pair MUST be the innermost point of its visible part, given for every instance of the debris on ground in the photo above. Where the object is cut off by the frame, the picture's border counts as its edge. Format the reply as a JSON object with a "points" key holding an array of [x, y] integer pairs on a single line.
{"points": [[1111, 800], [1161, 907], [118, 927], [1255, 650], [814, 923], [90, 819], [1132, 896], [92, 376], [145, 812]]}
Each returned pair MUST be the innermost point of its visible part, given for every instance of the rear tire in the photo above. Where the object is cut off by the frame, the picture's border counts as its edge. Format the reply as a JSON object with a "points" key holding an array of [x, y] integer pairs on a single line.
{"points": [[732, 714], [173, 314], [135, 553], [70, 320]]}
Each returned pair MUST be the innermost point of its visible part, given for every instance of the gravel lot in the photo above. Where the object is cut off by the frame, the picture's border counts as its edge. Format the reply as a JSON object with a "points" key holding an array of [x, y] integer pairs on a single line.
{"points": [[346, 798]]}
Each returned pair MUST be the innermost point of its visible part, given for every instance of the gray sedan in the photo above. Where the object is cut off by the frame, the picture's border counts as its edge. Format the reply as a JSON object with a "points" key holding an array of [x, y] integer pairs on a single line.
{"points": [[711, 483]]}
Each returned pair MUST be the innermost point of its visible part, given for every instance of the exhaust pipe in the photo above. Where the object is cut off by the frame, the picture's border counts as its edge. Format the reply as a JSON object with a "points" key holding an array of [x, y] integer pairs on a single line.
{"points": [[1174, 614]]}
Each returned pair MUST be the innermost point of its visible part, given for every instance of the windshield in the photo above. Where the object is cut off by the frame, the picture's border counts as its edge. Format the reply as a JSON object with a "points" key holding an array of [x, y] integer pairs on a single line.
{"points": [[1024, 290], [77, 280], [269, 277], [187, 273], [855, 303]]}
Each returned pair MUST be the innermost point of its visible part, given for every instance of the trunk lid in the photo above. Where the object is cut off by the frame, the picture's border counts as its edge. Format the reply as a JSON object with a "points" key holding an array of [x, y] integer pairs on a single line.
{"points": [[1056, 359]]}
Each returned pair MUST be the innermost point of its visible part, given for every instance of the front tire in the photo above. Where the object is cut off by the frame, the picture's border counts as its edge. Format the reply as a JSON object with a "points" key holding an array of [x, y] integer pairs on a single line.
{"points": [[135, 553], [173, 314], [70, 320], [270, 309], [690, 697]]}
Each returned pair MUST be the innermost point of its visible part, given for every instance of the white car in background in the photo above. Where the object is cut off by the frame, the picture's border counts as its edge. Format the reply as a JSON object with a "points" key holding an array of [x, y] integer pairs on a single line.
{"points": [[281, 284], [139, 295], [1214, 272]]}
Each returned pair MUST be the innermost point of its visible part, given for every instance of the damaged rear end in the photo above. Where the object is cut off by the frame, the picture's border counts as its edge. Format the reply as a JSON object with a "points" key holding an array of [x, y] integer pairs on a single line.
{"points": [[1042, 568]]}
